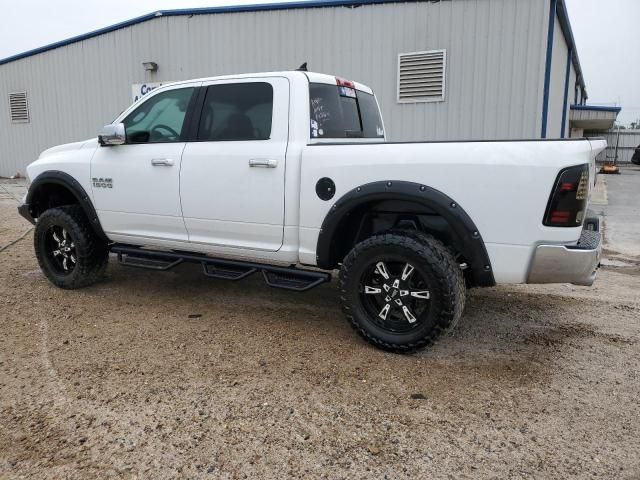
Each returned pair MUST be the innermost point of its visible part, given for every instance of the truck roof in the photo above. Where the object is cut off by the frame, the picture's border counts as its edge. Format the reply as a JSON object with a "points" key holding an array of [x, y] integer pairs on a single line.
{"points": [[313, 77]]}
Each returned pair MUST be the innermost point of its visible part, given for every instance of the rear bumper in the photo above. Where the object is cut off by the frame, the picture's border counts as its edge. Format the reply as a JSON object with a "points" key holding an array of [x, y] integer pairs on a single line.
{"points": [[25, 211], [575, 264]]}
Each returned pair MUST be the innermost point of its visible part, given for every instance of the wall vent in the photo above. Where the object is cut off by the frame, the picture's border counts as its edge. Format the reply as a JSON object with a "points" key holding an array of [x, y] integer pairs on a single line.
{"points": [[19, 107], [421, 76]]}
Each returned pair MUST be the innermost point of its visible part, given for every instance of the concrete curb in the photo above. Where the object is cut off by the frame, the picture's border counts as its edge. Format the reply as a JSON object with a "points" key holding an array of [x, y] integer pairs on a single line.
{"points": [[599, 194]]}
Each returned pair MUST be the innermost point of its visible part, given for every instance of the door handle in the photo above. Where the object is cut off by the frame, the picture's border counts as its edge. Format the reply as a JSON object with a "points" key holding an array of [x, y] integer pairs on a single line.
{"points": [[161, 162], [263, 162]]}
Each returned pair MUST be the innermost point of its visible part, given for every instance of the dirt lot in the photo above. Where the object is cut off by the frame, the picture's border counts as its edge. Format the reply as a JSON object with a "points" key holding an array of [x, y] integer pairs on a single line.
{"points": [[173, 375]]}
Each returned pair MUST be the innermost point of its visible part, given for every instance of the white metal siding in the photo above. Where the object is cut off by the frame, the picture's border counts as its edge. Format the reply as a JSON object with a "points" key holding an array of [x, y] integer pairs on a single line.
{"points": [[570, 98], [592, 115], [495, 66], [556, 86]]}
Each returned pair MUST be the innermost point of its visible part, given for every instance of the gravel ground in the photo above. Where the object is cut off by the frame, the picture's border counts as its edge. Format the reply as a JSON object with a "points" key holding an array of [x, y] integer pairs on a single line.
{"points": [[172, 375]]}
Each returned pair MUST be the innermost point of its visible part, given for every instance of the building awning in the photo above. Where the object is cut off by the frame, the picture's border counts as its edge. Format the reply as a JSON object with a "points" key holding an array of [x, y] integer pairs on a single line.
{"points": [[593, 117]]}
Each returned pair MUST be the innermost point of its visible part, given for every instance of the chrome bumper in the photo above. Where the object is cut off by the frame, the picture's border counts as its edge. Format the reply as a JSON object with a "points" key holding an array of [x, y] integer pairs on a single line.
{"points": [[575, 264]]}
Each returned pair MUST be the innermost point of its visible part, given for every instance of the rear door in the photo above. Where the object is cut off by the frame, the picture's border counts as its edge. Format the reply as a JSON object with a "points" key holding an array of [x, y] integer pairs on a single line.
{"points": [[232, 176]]}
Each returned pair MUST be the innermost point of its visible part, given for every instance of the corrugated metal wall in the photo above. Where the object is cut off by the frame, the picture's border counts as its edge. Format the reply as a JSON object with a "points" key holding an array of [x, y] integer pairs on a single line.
{"points": [[629, 141], [494, 78], [556, 87]]}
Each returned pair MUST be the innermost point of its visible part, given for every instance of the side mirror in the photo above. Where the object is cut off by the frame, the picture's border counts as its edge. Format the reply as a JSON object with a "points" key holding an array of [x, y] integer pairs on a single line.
{"points": [[112, 135]]}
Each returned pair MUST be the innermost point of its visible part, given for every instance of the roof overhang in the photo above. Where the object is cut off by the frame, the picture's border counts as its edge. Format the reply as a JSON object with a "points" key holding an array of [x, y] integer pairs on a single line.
{"points": [[593, 117]]}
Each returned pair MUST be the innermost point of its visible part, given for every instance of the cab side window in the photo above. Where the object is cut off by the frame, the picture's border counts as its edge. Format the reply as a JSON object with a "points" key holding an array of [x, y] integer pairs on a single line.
{"points": [[237, 111], [159, 119]]}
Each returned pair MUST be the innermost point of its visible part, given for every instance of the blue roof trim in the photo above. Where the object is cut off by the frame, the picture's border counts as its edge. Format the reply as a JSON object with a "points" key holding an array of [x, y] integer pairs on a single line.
{"points": [[199, 11], [596, 108], [79, 38]]}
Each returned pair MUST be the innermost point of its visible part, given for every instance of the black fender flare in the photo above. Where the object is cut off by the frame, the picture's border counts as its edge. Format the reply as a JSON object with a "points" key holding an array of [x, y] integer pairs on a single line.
{"points": [[65, 180], [463, 228]]}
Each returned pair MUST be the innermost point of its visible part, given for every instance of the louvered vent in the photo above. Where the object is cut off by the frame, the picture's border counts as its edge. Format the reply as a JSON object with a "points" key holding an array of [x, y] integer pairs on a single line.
{"points": [[421, 76], [19, 107]]}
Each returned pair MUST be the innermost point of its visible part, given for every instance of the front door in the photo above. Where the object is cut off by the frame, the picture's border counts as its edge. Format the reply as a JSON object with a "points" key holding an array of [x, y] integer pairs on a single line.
{"points": [[232, 177], [136, 186]]}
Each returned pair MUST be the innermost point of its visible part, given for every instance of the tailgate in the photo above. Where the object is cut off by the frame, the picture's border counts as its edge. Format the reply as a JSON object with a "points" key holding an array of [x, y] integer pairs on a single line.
{"points": [[598, 145]]}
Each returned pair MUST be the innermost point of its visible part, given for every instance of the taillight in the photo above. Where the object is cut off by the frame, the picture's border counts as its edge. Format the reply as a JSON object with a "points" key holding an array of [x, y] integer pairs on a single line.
{"points": [[568, 200], [346, 88]]}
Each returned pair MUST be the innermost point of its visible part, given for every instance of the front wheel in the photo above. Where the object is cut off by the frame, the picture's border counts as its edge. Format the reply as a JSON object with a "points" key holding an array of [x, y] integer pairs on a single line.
{"points": [[69, 252], [400, 291]]}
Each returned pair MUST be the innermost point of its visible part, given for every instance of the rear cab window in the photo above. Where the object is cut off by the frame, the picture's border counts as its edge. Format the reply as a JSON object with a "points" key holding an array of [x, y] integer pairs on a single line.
{"points": [[342, 111]]}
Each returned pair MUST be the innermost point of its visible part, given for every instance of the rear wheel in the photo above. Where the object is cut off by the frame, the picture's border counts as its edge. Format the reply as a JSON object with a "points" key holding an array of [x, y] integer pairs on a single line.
{"points": [[400, 291], [68, 251]]}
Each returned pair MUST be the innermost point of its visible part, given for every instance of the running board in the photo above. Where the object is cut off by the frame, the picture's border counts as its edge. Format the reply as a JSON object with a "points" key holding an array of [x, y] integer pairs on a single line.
{"points": [[289, 278]]}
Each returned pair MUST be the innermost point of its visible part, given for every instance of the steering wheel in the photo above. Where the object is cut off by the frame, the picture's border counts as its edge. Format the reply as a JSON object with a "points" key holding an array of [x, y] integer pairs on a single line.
{"points": [[156, 132]]}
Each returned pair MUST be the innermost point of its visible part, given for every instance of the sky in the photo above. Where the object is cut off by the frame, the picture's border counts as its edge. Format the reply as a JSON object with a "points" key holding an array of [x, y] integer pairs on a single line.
{"points": [[606, 34]]}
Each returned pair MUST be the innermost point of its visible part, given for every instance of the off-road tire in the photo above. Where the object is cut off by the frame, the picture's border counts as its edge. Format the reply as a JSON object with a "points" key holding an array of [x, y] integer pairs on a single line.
{"points": [[91, 253], [425, 238], [434, 261]]}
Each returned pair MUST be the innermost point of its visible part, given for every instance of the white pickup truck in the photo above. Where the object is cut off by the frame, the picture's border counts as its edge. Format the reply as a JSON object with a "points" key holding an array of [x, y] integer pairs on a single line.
{"points": [[272, 173]]}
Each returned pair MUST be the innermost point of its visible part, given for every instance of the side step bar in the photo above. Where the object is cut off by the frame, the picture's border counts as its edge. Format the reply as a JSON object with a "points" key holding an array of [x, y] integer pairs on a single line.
{"points": [[289, 278]]}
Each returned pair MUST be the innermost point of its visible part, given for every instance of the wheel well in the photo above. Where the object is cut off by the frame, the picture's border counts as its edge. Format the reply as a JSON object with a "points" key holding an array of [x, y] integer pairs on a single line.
{"points": [[376, 217], [53, 189], [384, 205], [50, 195]]}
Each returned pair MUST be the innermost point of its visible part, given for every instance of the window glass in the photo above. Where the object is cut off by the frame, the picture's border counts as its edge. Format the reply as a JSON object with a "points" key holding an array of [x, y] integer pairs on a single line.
{"points": [[343, 112], [370, 113], [160, 118], [237, 111]]}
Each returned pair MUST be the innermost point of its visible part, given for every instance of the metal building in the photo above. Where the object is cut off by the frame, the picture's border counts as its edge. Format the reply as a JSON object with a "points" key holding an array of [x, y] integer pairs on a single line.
{"points": [[442, 70]]}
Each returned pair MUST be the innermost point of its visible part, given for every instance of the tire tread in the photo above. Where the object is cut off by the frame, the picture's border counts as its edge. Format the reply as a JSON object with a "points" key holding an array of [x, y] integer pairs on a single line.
{"points": [[434, 253], [91, 252]]}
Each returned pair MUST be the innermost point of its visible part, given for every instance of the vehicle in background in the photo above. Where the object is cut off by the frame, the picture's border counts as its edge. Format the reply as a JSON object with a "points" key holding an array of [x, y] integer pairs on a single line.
{"points": [[636, 156]]}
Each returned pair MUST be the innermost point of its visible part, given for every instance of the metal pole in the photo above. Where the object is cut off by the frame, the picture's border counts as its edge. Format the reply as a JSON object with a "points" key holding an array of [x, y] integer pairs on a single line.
{"points": [[615, 157]]}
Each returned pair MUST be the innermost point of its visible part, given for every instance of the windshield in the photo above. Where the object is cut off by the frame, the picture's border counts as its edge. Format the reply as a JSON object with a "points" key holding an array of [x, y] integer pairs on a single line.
{"points": [[343, 112]]}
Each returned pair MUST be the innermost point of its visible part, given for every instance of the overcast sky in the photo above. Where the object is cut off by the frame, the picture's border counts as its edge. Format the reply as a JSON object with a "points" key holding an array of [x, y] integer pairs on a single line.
{"points": [[606, 33]]}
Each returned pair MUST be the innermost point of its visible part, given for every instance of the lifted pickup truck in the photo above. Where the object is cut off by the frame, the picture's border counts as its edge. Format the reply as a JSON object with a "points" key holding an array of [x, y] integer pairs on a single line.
{"points": [[275, 172]]}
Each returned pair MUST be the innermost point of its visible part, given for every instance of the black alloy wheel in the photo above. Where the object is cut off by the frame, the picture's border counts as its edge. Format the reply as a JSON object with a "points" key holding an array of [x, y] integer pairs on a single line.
{"points": [[400, 290], [395, 294], [69, 252], [60, 250]]}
